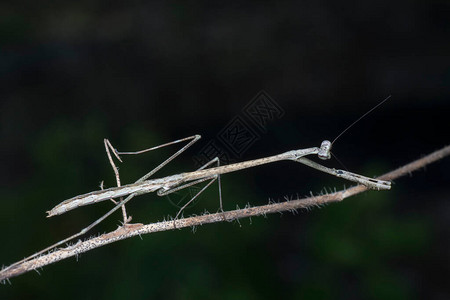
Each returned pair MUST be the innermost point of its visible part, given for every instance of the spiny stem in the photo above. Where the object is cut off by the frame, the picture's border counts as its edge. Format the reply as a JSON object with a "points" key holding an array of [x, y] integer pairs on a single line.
{"points": [[131, 230]]}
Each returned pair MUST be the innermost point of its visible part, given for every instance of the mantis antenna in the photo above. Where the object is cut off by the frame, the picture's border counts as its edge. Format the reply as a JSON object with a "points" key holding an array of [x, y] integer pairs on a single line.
{"points": [[351, 125]]}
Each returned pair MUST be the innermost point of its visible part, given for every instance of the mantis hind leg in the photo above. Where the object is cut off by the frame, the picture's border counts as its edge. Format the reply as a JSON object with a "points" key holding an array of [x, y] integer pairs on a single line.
{"points": [[109, 148]]}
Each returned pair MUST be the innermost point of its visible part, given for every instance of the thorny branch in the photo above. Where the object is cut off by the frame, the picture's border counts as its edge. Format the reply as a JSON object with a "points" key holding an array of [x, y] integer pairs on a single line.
{"points": [[131, 230]]}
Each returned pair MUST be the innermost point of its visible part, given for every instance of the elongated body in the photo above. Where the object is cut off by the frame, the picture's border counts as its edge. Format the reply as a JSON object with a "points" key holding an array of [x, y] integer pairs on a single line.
{"points": [[163, 184], [170, 184]]}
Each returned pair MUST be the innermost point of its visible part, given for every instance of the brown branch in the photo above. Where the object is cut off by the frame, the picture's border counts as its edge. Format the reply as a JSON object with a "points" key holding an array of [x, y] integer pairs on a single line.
{"points": [[131, 230]]}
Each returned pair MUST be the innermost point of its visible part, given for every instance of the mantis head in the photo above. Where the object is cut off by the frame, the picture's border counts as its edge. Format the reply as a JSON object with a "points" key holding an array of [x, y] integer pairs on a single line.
{"points": [[325, 150]]}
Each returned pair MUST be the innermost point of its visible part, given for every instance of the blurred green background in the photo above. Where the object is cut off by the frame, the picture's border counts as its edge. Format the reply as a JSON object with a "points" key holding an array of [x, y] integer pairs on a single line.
{"points": [[146, 73]]}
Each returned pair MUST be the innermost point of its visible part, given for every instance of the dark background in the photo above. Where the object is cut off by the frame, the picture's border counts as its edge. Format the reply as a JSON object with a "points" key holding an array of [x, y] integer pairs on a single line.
{"points": [[143, 74]]}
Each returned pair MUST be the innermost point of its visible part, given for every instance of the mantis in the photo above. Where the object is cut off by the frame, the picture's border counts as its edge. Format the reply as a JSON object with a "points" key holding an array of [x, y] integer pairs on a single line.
{"points": [[169, 184]]}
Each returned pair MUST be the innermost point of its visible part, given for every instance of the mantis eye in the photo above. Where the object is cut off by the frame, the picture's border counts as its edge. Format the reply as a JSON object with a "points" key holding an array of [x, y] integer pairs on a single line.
{"points": [[325, 149]]}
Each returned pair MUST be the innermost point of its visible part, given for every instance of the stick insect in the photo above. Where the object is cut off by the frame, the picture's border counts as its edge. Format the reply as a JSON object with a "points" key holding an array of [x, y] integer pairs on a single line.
{"points": [[169, 184]]}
